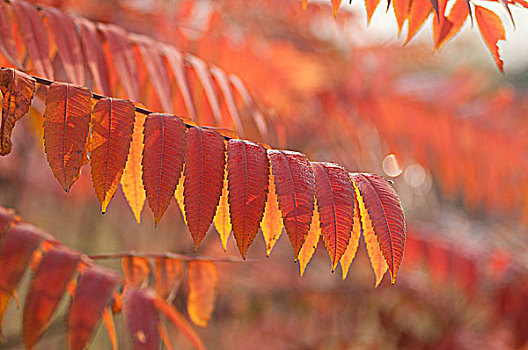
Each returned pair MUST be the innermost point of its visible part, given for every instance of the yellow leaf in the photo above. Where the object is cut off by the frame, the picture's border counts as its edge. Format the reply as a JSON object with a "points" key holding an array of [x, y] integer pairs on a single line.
{"points": [[202, 278], [222, 220], [179, 194], [272, 221], [308, 249], [351, 250]]}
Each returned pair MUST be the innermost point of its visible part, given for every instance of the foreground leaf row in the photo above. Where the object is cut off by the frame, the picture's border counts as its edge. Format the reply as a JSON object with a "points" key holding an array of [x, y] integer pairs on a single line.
{"points": [[211, 175], [97, 293]]}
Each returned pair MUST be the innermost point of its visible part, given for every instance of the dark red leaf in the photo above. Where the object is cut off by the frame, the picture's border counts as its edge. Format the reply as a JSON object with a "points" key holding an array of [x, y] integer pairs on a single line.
{"points": [[143, 319]]}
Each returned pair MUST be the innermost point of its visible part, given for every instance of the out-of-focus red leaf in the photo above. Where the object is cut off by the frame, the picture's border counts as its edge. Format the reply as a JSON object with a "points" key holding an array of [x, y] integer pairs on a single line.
{"points": [[385, 212], [68, 44], [335, 201], [34, 35], [131, 183], [163, 157], [94, 54], [112, 126], [168, 274], [295, 185], [179, 322], [49, 284], [204, 177], [18, 89], [66, 124], [312, 240], [350, 252], [248, 168], [7, 44], [136, 270], [203, 75], [203, 279], [492, 31], [7, 218], [143, 319], [123, 59], [272, 221], [93, 292], [223, 83]]}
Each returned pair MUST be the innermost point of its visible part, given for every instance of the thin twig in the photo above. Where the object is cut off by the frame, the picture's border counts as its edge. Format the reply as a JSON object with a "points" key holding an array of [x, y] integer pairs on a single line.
{"points": [[175, 256]]}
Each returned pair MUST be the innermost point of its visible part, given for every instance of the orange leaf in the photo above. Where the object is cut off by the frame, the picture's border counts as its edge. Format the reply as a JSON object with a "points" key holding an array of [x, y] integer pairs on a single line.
{"points": [[203, 279], [49, 284], [335, 200], [142, 319], [401, 11], [448, 27], [18, 89], [7, 44], [112, 126], [4, 300], [248, 168], [178, 194], [131, 183], [66, 124], [163, 157], [204, 177], [94, 290], [370, 6], [34, 35], [385, 212], [179, 322], [68, 44], [295, 185], [419, 11], [312, 240], [335, 6], [222, 219], [136, 270], [492, 31], [272, 221], [350, 252], [168, 274], [110, 327]]}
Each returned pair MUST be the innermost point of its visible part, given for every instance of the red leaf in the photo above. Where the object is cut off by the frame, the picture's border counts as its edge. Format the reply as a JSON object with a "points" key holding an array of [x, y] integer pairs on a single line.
{"points": [[223, 84], [112, 126], [208, 113], [34, 35], [386, 214], [295, 185], [492, 31], [335, 200], [93, 292], [163, 157], [203, 279], [7, 44], [49, 284], [68, 44], [18, 89], [66, 124], [248, 168], [204, 177], [123, 59], [16, 248], [143, 319], [94, 54]]}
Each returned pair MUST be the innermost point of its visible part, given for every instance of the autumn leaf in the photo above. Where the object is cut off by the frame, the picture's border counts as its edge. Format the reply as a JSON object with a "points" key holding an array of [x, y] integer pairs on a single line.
{"points": [[168, 274], [222, 219], [18, 89], [350, 252], [112, 126], [47, 287], [136, 270], [271, 224], [202, 278], [142, 319], [247, 173], [312, 240], [66, 124], [204, 176], [492, 31], [386, 214], [335, 200], [295, 185], [163, 157]]}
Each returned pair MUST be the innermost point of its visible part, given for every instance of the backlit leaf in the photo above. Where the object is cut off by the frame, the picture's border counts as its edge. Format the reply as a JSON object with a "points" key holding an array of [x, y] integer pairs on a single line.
{"points": [[204, 176], [419, 11], [386, 214], [492, 31], [335, 200], [446, 28], [163, 158], [247, 167], [112, 126], [131, 182], [66, 124], [203, 279], [222, 219], [335, 6], [136, 270], [370, 6], [47, 287], [93, 292], [18, 89], [168, 274], [271, 224], [142, 319], [295, 186], [401, 11], [312, 240], [350, 252]]}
